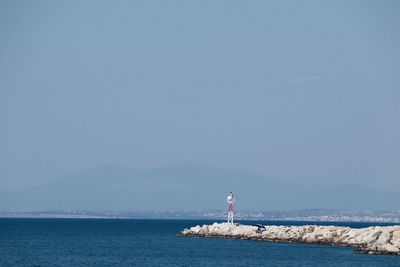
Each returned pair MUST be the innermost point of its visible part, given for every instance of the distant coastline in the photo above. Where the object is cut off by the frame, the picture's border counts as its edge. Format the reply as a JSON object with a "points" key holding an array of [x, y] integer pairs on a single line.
{"points": [[316, 215]]}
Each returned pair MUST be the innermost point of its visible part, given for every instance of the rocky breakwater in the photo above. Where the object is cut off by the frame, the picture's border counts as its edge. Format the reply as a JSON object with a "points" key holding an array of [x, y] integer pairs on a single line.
{"points": [[371, 240]]}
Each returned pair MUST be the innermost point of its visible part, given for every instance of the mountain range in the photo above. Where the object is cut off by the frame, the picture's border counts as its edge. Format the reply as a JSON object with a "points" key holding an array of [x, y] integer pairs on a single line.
{"points": [[189, 186]]}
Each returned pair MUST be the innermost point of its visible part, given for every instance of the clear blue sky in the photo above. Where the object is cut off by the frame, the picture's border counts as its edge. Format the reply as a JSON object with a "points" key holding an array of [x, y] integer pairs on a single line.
{"points": [[303, 91]]}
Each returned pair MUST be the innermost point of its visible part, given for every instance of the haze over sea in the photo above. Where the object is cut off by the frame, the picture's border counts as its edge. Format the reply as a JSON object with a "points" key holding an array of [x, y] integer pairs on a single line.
{"points": [[111, 242]]}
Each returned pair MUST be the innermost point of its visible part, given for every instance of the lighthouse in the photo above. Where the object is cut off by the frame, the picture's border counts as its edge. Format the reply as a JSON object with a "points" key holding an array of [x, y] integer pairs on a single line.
{"points": [[231, 200]]}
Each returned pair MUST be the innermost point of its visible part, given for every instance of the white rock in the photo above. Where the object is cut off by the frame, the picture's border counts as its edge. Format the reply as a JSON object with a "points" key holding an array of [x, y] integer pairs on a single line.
{"points": [[383, 239]]}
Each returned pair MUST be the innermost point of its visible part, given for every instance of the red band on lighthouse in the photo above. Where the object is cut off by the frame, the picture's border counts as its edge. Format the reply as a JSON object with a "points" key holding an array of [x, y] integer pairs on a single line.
{"points": [[230, 207]]}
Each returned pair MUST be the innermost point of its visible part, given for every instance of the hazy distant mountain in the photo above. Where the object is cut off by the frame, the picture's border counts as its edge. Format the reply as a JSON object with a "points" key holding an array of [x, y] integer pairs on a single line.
{"points": [[188, 186]]}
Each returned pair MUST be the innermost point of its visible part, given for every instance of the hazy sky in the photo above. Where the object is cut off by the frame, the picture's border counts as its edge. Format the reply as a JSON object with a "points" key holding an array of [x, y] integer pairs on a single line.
{"points": [[304, 91]]}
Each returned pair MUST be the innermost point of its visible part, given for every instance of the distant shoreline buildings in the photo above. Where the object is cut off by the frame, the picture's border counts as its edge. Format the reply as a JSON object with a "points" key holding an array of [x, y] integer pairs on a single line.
{"points": [[296, 215]]}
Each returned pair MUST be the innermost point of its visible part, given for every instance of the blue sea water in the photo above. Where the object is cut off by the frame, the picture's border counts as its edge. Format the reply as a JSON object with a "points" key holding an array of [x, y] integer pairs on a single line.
{"points": [[109, 242]]}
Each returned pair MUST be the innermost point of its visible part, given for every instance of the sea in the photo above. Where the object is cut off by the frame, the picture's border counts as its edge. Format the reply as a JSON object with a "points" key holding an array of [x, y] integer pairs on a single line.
{"points": [[130, 242]]}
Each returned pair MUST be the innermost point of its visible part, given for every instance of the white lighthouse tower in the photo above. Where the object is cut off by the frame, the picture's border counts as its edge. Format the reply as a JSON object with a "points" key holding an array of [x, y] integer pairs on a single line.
{"points": [[231, 200]]}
